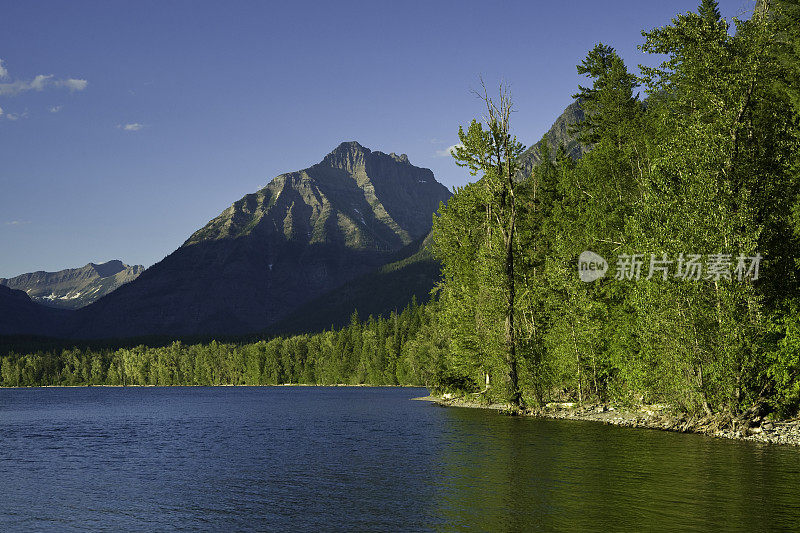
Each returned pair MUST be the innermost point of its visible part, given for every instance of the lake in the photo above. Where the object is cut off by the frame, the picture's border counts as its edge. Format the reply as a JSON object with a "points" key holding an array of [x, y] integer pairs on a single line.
{"points": [[345, 459]]}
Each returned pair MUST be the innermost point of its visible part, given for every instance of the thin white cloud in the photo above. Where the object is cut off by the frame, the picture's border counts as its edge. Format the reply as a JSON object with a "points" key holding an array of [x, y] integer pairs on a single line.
{"points": [[447, 152], [16, 116], [55, 108], [72, 84], [14, 87], [38, 83], [134, 126], [1, 111], [17, 222]]}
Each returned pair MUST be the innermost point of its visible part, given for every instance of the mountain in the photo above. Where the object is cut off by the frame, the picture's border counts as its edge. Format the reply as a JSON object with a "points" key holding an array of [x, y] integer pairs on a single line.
{"points": [[559, 133], [411, 274], [305, 233], [74, 288], [19, 315]]}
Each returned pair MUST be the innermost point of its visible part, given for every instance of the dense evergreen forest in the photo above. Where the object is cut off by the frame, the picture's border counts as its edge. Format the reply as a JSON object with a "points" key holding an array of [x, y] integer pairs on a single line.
{"points": [[375, 352], [694, 167]]}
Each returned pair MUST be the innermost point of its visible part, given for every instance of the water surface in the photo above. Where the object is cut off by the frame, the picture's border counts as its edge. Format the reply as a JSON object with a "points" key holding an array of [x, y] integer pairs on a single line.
{"points": [[344, 459]]}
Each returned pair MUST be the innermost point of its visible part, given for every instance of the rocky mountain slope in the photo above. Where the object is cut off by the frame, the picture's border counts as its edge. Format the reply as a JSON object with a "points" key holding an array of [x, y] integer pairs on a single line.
{"points": [[74, 288], [302, 235], [561, 132]]}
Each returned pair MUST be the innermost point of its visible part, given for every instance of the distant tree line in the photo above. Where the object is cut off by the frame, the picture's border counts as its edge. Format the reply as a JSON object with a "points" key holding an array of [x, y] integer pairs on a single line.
{"points": [[370, 352]]}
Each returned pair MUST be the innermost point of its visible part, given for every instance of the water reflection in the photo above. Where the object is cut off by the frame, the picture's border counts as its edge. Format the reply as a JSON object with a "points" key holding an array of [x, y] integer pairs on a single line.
{"points": [[514, 474]]}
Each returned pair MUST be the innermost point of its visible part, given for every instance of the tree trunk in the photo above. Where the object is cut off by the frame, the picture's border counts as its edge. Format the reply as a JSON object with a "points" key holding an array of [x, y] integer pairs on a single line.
{"points": [[511, 342], [703, 395], [578, 364]]}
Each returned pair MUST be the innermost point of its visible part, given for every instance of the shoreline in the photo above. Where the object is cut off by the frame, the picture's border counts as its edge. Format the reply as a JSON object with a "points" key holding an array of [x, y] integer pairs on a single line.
{"points": [[333, 385], [658, 417]]}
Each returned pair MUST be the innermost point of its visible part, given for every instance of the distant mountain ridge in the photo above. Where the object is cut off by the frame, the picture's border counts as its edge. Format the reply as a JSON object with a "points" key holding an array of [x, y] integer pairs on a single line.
{"points": [[305, 233], [73, 288]]}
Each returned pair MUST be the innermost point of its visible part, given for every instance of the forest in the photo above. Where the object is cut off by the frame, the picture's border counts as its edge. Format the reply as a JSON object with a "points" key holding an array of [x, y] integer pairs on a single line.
{"points": [[374, 351], [693, 161], [694, 166]]}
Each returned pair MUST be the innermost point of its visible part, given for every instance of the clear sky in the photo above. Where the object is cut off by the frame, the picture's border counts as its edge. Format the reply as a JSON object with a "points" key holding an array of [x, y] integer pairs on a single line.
{"points": [[126, 126]]}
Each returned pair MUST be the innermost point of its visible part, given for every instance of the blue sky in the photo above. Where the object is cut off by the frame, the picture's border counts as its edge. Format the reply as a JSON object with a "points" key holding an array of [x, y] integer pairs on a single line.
{"points": [[126, 126]]}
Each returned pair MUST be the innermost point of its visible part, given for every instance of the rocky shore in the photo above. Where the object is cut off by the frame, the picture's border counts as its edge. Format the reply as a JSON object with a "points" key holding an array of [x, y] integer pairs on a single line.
{"points": [[751, 428]]}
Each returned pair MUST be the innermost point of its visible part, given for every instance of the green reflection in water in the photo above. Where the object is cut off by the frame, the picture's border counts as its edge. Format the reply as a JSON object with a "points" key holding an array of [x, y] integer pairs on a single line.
{"points": [[498, 473]]}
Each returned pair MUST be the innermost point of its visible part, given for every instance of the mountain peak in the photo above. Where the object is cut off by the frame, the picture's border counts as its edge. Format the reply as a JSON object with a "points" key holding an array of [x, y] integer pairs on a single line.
{"points": [[350, 146], [561, 132], [346, 156], [109, 268], [350, 155]]}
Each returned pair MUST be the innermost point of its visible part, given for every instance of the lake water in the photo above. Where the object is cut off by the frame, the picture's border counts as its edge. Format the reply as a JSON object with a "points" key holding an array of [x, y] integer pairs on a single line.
{"points": [[354, 459]]}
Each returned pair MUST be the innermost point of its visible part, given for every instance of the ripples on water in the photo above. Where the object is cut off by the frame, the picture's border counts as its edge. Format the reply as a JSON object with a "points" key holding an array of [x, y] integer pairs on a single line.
{"points": [[326, 459]]}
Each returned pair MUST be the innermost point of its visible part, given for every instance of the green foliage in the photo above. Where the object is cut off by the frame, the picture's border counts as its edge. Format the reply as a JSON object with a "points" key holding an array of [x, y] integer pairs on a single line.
{"points": [[708, 165], [608, 104], [784, 366]]}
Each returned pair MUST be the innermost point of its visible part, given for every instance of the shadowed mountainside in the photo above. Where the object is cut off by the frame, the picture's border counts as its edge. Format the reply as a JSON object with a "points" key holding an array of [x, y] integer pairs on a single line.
{"points": [[22, 316], [411, 274]]}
